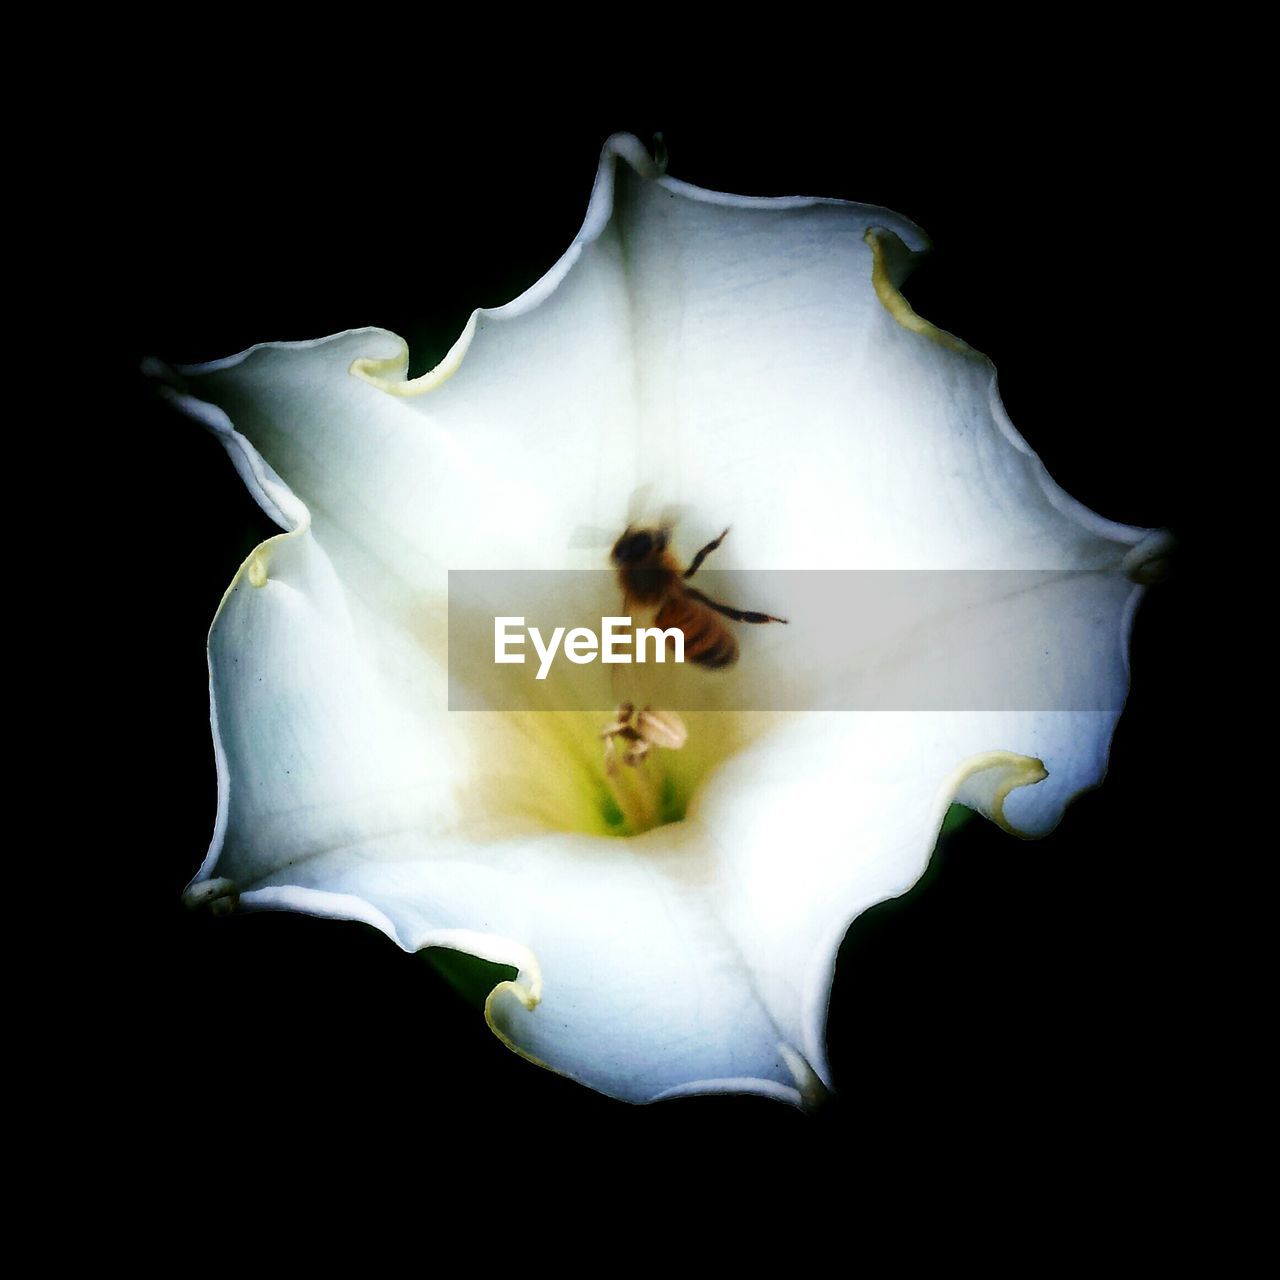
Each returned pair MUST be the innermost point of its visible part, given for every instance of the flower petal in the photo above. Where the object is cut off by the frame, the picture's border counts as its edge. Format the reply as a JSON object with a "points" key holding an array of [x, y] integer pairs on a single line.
{"points": [[687, 341]]}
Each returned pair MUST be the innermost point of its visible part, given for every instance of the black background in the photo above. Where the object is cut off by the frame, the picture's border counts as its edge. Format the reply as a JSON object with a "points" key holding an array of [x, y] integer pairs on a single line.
{"points": [[1041, 999]]}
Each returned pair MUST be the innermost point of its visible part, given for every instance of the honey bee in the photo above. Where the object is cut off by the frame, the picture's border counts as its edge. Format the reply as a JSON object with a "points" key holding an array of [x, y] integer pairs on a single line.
{"points": [[651, 576]]}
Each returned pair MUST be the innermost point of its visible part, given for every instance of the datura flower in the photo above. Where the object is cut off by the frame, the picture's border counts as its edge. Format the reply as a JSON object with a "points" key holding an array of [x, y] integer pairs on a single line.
{"points": [[670, 883]]}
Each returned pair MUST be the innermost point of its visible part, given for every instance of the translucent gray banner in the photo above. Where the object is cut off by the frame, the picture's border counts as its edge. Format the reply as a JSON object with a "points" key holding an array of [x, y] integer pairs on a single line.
{"points": [[1015, 640]]}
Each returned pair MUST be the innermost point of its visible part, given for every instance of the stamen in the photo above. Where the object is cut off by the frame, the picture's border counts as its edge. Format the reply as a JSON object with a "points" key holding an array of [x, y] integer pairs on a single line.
{"points": [[635, 790], [662, 728]]}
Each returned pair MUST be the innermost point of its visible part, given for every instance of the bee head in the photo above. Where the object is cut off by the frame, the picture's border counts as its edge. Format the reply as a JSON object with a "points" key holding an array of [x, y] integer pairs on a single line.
{"points": [[638, 544]]}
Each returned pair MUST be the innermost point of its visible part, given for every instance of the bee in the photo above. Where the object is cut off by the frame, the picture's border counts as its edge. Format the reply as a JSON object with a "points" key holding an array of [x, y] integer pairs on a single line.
{"points": [[651, 576]]}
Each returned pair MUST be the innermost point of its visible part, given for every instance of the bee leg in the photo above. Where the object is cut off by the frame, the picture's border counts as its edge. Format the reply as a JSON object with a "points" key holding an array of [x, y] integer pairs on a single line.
{"points": [[738, 615], [704, 553]]}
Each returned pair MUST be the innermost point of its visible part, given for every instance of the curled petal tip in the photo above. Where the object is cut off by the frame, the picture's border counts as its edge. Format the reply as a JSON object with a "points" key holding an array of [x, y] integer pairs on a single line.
{"points": [[984, 782], [258, 567], [813, 1093], [526, 989], [220, 895], [660, 155], [1149, 560], [629, 148], [891, 264], [159, 371]]}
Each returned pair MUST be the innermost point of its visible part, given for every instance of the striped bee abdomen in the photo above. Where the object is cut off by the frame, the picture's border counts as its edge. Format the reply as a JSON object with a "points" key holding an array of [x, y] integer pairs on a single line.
{"points": [[707, 641]]}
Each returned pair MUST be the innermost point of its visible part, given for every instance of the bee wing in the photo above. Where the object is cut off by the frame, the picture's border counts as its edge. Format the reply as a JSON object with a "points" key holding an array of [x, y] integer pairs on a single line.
{"points": [[637, 505], [671, 515], [591, 537]]}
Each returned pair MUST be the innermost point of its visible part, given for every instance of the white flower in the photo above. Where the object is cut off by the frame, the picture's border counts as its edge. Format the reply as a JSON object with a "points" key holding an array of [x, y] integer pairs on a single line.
{"points": [[751, 362]]}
